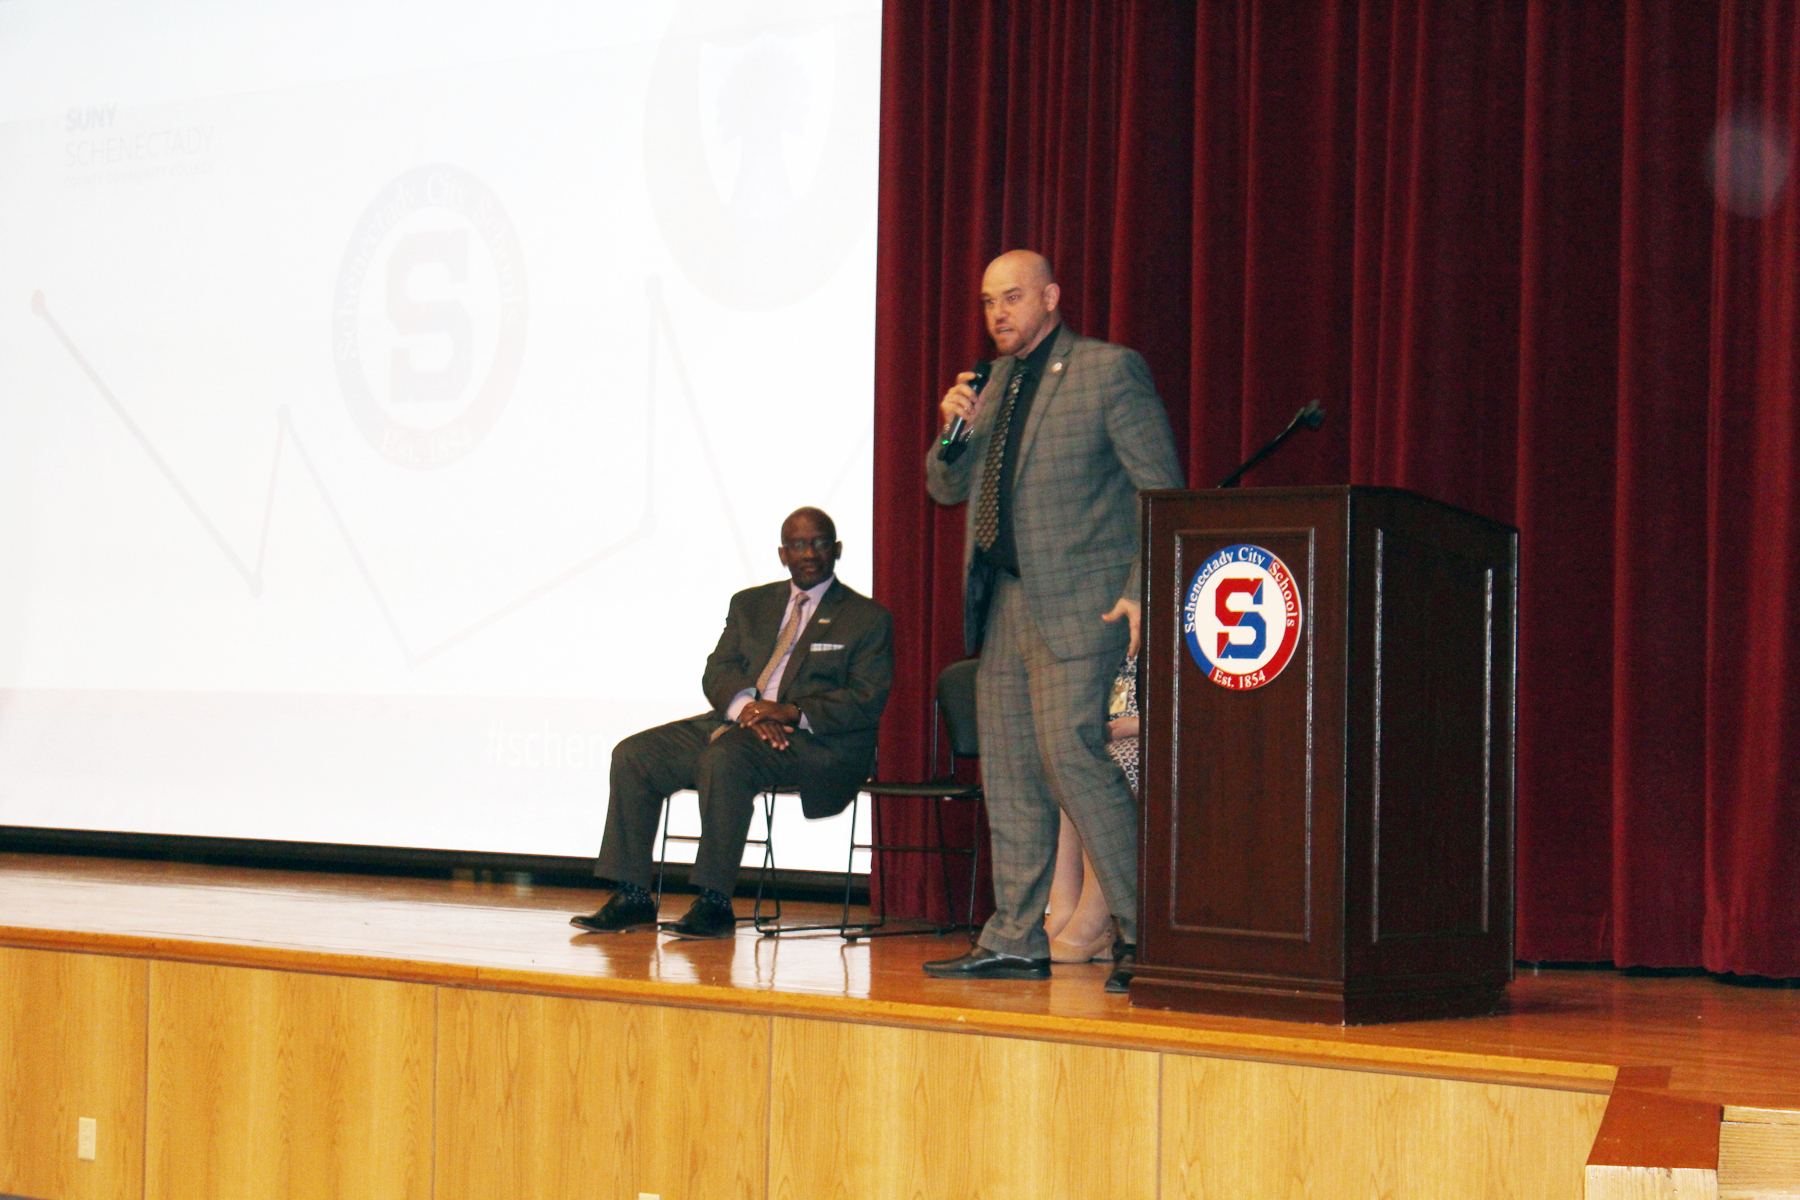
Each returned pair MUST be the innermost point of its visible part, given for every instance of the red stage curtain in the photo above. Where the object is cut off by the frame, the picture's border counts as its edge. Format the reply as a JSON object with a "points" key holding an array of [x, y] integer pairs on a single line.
{"points": [[1539, 260]]}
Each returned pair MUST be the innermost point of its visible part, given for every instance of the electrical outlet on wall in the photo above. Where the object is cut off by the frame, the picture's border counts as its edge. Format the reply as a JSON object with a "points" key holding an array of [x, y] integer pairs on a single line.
{"points": [[87, 1132]]}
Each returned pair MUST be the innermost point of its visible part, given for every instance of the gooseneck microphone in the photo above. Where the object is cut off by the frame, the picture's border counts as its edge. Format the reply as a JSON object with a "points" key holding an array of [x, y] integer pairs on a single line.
{"points": [[1310, 417], [956, 438]]}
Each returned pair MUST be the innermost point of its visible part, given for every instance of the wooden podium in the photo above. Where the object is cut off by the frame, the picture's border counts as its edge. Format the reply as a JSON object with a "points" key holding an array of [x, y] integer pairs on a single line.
{"points": [[1327, 696]]}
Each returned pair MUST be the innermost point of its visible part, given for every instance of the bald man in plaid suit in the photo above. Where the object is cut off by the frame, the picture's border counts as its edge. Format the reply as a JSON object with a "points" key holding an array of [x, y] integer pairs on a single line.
{"points": [[1064, 436]]}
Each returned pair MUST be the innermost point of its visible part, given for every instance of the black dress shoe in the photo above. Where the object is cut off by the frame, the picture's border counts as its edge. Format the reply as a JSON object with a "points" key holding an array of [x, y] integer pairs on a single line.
{"points": [[1124, 967], [622, 914], [710, 916], [982, 963]]}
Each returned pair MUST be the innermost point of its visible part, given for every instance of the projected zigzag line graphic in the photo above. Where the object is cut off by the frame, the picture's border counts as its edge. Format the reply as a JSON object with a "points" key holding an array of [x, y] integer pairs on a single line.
{"points": [[286, 433]]}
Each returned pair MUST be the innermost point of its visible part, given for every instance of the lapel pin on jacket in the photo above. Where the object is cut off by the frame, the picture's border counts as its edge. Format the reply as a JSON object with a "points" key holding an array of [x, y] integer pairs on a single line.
{"points": [[1055, 367]]}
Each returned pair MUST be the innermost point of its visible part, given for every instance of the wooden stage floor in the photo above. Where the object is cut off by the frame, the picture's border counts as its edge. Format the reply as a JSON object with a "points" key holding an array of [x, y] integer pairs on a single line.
{"points": [[1693, 1037]]}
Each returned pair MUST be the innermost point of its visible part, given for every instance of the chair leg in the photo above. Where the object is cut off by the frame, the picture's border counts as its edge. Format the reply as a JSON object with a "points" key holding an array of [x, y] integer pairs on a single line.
{"points": [[933, 833], [975, 860], [662, 850], [874, 927], [850, 860], [765, 878], [769, 926], [943, 857], [876, 915]]}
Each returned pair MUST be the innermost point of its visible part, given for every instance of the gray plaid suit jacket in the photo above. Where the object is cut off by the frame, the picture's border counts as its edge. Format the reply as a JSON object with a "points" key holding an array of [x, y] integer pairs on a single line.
{"points": [[1096, 436]]}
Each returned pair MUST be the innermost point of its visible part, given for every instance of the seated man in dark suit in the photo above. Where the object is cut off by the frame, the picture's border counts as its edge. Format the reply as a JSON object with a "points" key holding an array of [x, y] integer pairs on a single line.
{"points": [[797, 684]]}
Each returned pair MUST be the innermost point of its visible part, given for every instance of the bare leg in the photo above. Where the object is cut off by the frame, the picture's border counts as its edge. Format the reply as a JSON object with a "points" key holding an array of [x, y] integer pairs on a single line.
{"points": [[1088, 932], [1066, 890]]}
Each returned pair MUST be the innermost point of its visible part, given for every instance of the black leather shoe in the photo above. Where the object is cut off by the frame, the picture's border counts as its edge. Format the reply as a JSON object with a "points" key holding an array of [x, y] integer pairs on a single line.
{"points": [[982, 963], [1124, 967], [710, 916], [621, 915]]}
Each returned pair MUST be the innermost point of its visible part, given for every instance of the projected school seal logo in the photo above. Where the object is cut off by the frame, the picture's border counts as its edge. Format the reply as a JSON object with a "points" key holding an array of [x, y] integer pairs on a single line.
{"points": [[428, 322], [1242, 617]]}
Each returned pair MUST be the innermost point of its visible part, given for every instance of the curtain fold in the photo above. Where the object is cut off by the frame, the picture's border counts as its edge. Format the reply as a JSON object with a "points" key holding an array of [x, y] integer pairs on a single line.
{"points": [[1565, 475], [1752, 809], [1537, 260], [1659, 507]]}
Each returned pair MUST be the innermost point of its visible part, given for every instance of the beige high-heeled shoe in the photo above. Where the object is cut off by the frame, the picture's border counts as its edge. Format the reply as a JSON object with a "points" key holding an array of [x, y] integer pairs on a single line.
{"points": [[1098, 950]]}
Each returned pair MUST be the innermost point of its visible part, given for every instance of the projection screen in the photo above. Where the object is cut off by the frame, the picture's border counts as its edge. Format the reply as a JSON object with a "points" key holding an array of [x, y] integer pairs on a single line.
{"points": [[395, 392]]}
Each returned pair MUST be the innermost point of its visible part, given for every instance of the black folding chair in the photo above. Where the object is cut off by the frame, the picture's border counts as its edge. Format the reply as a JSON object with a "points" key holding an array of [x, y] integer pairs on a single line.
{"points": [[954, 709]]}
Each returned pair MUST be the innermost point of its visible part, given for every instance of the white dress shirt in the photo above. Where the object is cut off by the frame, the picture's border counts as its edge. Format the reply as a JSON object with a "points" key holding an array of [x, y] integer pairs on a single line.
{"points": [[814, 594]]}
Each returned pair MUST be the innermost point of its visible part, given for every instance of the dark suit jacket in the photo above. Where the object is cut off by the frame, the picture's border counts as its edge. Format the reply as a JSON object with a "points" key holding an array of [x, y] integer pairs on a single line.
{"points": [[839, 675]]}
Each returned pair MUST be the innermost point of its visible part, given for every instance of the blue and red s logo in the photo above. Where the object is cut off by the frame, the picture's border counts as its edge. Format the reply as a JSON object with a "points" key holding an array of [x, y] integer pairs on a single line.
{"points": [[1232, 617], [1242, 618]]}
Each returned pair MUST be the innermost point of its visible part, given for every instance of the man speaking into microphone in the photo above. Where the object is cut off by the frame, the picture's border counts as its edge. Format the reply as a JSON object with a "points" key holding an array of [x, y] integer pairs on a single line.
{"points": [[1059, 442]]}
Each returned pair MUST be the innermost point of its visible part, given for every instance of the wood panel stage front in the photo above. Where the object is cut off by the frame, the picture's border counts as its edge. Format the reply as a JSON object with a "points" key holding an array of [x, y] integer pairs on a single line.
{"points": [[250, 1034]]}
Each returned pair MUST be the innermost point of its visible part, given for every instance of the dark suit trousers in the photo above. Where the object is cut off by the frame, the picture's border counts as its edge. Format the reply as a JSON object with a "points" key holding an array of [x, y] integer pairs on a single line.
{"points": [[728, 773]]}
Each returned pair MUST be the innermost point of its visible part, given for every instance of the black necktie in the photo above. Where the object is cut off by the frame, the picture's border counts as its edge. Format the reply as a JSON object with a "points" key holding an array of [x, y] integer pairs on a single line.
{"points": [[987, 516]]}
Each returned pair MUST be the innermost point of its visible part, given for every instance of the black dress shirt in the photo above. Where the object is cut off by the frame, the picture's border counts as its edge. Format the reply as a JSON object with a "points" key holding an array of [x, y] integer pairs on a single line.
{"points": [[1005, 551]]}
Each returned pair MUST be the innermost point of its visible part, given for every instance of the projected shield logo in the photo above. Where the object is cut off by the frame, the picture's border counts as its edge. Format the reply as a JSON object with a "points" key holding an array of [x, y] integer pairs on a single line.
{"points": [[428, 323], [755, 147]]}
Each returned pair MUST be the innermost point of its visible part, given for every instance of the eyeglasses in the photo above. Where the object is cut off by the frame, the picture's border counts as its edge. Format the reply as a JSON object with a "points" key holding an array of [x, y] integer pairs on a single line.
{"points": [[796, 545]]}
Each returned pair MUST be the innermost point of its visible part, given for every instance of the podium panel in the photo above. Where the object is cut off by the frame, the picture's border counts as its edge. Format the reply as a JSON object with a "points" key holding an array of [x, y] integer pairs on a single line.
{"points": [[1327, 704]]}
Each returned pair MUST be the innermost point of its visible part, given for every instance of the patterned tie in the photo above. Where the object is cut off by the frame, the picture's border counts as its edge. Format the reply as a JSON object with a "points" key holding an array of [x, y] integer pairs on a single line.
{"points": [[987, 517], [795, 623]]}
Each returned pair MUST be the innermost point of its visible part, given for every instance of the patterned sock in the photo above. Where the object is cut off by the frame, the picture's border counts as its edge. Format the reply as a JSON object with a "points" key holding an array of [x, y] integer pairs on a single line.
{"points": [[631, 893]]}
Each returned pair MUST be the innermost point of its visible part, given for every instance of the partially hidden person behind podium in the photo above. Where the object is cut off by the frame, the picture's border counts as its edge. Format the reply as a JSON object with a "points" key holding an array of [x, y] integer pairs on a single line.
{"points": [[797, 684], [1064, 436]]}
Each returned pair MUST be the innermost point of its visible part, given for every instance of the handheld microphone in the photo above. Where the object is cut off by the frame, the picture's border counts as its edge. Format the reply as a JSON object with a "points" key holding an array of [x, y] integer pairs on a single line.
{"points": [[956, 438]]}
